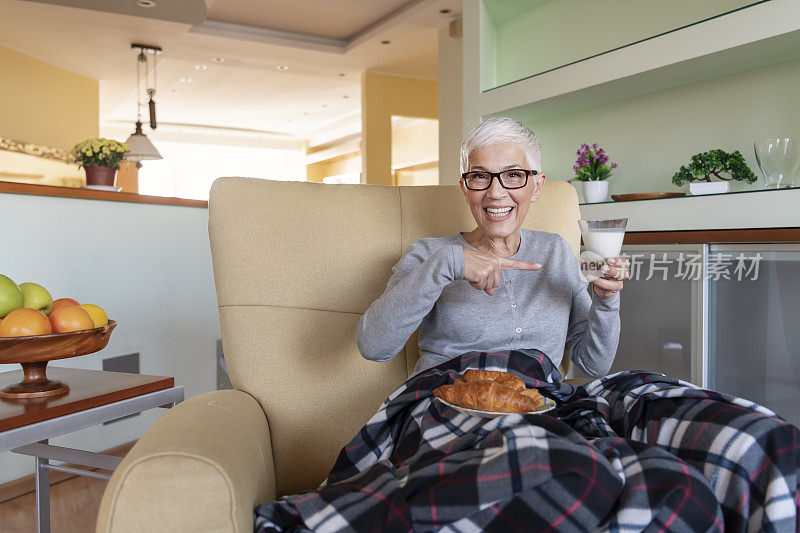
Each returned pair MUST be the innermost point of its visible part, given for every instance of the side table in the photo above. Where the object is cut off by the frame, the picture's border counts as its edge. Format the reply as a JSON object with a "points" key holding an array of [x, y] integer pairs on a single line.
{"points": [[94, 397]]}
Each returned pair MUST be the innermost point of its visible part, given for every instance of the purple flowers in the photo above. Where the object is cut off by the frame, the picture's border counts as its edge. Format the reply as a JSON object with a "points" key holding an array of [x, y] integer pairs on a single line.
{"points": [[592, 163]]}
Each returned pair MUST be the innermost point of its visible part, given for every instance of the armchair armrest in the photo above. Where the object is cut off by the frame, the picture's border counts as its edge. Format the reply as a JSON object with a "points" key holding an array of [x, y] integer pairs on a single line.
{"points": [[203, 466]]}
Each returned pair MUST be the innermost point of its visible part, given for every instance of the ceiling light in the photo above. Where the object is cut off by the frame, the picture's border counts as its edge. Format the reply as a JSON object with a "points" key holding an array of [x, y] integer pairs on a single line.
{"points": [[324, 105], [186, 80], [341, 74], [145, 3], [200, 67], [305, 112], [218, 59], [282, 67], [345, 96], [385, 42]]}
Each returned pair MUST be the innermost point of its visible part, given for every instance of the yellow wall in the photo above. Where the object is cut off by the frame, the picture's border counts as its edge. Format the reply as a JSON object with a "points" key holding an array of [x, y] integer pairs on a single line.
{"points": [[334, 166], [415, 143], [422, 175], [43, 104], [128, 177], [24, 168], [381, 97]]}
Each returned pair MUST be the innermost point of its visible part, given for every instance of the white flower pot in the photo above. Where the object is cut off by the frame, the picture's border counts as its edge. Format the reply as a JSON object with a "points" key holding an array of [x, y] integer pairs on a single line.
{"points": [[594, 191], [708, 187]]}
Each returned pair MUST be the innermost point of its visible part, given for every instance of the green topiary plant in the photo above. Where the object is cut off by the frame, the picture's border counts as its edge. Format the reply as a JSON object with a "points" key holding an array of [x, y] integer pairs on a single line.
{"points": [[712, 163]]}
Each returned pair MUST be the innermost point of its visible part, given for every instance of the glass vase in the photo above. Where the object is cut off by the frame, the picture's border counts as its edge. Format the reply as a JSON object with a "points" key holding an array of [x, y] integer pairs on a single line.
{"points": [[779, 161]]}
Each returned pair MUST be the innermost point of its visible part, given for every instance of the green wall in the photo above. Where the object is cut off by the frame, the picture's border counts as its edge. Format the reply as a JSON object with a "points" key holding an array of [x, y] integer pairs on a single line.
{"points": [[651, 136]]}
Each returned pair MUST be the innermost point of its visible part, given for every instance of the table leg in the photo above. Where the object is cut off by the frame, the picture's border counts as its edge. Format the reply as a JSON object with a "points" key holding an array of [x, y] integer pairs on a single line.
{"points": [[42, 494]]}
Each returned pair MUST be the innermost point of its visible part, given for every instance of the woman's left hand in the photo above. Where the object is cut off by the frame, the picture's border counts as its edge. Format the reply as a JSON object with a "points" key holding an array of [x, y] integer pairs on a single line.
{"points": [[614, 271]]}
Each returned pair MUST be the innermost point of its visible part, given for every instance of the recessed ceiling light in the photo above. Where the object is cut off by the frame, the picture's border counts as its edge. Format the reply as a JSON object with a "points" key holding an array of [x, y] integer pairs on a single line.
{"points": [[324, 105], [282, 67], [145, 3], [305, 112], [186, 80], [444, 11], [173, 91], [346, 96], [200, 67], [385, 42], [341, 74], [218, 59]]}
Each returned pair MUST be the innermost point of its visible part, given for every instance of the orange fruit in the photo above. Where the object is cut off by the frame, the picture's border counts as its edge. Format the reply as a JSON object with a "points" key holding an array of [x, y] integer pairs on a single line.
{"points": [[98, 314], [63, 302], [23, 322], [70, 318]]}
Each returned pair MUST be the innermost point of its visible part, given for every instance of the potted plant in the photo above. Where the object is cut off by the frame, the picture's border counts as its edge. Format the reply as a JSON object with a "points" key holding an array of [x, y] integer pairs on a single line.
{"points": [[713, 163], [593, 169], [100, 158]]}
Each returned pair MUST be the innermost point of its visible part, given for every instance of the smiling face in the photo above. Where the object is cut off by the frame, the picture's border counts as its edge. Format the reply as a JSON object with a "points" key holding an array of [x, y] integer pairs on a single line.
{"points": [[500, 212]]}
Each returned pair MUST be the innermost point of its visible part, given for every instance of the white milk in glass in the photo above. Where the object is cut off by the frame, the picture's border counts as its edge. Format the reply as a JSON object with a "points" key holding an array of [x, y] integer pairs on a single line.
{"points": [[604, 243]]}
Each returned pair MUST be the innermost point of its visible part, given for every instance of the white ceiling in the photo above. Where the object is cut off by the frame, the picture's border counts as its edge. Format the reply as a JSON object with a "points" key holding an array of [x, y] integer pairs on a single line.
{"points": [[338, 19], [326, 44]]}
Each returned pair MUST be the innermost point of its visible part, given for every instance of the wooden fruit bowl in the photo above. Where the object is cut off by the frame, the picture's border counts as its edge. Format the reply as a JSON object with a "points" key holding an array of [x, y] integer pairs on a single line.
{"points": [[34, 352]]}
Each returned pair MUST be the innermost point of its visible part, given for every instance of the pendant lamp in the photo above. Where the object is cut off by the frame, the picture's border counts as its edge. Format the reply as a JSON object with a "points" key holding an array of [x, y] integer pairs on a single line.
{"points": [[140, 147]]}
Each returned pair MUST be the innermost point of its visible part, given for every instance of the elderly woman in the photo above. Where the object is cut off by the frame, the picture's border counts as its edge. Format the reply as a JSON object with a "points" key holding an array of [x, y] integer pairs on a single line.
{"points": [[635, 451], [497, 287]]}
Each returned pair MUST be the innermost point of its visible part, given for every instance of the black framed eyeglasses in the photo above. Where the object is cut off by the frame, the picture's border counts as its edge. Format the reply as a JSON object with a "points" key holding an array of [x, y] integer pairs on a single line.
{"points": [[480, 180]]}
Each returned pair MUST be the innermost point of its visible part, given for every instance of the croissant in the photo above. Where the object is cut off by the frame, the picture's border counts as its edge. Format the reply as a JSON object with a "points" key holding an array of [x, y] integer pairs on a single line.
{"points": [[486, 395], [504, 378], [533, 393]]}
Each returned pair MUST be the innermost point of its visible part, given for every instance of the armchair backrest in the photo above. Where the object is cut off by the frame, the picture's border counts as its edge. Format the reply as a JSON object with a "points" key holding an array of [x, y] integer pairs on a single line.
{"points": [[295, 266]]}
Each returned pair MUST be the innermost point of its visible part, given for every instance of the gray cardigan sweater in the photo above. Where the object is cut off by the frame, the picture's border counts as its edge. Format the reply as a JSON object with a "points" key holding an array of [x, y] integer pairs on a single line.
{"points": [[543, 309]]}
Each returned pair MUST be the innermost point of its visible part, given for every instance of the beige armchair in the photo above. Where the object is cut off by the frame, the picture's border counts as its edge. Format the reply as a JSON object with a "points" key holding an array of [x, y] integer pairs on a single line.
{"points": [[295, 266]]}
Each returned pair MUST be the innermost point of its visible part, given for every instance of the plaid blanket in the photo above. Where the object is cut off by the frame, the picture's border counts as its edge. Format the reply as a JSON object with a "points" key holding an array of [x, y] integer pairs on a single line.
{"points": [[634, 451]]}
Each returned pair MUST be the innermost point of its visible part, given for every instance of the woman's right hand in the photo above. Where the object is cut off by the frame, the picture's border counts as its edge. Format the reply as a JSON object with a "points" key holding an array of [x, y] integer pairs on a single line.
{"points": [[482, 270]]}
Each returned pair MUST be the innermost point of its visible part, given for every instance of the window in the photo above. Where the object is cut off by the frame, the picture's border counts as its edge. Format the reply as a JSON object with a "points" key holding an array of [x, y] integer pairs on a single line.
{"points": [[188, 169]]}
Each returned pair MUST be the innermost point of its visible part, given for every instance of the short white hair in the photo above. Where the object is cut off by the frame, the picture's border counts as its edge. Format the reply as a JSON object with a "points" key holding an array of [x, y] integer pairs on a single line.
{"points": [[500, 130]]}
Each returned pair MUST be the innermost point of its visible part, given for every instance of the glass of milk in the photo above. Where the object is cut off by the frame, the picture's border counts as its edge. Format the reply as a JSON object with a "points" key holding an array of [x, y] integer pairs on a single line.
{"points": [[603, 237]]}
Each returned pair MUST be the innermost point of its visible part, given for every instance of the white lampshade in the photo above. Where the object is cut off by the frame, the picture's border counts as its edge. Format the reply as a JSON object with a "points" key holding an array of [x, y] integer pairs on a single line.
{"points": [[139, 146]]}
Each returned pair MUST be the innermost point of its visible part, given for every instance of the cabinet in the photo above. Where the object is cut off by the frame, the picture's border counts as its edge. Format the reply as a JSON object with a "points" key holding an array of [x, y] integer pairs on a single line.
{"points": [[722, 316], [754, 327], [661, 311]]}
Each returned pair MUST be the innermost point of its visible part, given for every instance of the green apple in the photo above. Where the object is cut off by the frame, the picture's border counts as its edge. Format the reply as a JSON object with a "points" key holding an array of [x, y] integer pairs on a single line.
{"points": [[36, 297], [10, 296]]}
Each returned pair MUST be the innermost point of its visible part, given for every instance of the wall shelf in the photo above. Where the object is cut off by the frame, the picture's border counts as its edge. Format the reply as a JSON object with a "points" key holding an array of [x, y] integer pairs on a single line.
{"points": [[746, 209], [749, 191], [90, 194], [759, 35]]}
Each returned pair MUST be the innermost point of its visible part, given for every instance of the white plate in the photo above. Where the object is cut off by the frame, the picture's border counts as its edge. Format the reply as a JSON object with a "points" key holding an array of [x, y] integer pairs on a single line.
{"points": [[548, 405], [102, 188]]}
